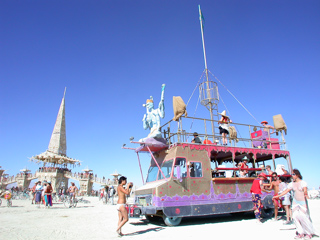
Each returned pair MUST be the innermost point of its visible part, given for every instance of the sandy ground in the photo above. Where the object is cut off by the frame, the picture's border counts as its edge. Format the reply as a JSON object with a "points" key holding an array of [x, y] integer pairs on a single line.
{"points": [[98, 221]]}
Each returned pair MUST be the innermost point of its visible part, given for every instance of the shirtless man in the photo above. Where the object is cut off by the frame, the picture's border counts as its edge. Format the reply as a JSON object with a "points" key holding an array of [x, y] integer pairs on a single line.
{"points": [[267, 127], [121, 205], [242, 165], [275, 186], [73, 190]]}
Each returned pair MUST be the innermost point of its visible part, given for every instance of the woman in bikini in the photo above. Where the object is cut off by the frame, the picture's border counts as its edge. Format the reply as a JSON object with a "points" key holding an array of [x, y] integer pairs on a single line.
{"points": [[121, 205]]}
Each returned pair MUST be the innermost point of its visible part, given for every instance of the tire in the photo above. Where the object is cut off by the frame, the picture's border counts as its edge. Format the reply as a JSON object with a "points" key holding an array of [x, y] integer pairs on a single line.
{"points": [[172, 221], [267, 212]]}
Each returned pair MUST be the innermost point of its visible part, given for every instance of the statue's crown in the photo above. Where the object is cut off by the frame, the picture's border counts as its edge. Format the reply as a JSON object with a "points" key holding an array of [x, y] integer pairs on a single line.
{"points": [[150, 100]]}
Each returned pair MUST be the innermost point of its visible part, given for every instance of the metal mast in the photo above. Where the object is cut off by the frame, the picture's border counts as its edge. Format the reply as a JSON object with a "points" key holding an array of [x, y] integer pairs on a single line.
{"points": [[208, 89]]}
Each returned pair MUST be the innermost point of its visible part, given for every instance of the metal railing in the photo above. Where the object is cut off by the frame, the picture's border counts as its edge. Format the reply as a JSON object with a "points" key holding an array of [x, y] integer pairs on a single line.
{"points": [[175, 132]]}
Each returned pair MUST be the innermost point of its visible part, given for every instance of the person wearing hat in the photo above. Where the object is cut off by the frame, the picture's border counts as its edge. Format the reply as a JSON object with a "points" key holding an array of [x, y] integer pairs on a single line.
{"points": [[47, 195], [224, 127], [39, 189], [242, 166], [256, 190], [267, 127], [196, 138]]}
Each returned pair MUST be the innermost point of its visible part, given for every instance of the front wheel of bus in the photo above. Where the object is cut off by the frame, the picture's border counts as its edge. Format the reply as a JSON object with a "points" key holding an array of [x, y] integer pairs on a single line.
{"points": [[267, 212], [172, 221]]}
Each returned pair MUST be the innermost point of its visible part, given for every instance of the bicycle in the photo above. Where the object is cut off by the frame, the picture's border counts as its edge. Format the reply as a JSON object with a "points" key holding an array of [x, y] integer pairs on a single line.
{"points": [[70, 202]]}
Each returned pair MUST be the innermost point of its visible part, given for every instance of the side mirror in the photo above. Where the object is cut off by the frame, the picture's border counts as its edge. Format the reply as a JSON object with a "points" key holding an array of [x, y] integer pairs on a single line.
{"points": [[179, 173]]}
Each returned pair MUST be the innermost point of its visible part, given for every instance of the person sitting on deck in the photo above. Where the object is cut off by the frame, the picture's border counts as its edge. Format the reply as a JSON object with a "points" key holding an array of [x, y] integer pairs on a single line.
{"points": [[224, 127], [242, 165], [196, 139]]}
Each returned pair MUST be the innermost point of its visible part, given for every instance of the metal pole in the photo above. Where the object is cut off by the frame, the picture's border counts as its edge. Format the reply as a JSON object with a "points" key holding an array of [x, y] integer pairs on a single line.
{"points": [[206, 70], [156, 162], [140, 169]]}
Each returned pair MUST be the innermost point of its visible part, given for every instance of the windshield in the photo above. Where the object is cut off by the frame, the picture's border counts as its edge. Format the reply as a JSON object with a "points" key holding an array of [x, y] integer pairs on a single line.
{"points": [[152, 174], [166, 168]]}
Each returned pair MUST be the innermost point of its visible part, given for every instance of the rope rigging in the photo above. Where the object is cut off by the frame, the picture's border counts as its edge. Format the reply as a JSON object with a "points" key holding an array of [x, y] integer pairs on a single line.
{"points": [[234, 97]]}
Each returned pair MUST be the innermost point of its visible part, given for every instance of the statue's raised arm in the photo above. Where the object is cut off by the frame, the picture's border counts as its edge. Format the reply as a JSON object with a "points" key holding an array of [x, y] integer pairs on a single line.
{"points": [[161, 103]]}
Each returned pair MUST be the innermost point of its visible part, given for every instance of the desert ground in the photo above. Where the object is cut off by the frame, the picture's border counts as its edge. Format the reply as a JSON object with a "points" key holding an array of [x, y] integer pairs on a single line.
{"points": [[96, 220]]}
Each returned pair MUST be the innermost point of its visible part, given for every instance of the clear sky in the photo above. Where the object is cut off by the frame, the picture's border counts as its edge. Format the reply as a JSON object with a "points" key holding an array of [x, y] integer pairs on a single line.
{"points": [[112, 55]]}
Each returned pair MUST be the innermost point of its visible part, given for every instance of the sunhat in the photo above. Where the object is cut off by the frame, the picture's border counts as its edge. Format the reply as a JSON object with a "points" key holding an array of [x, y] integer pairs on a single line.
{"points": [[224, 113], [262, 175], [195, 134], [245, 158], [264, 122]]}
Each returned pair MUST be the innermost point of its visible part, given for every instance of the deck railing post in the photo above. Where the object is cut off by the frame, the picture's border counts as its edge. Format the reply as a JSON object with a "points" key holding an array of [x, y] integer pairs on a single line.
{"points": [[250, 136], [283, 140], [205, 128]]}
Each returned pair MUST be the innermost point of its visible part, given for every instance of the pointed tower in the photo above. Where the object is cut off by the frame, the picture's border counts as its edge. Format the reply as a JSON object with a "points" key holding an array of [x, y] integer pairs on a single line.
{"points": [[55, 158], [58, 141]]}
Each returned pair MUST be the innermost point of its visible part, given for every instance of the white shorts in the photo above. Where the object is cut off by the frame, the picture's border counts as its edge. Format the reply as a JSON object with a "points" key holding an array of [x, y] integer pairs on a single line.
{"points": [[286, 200]]}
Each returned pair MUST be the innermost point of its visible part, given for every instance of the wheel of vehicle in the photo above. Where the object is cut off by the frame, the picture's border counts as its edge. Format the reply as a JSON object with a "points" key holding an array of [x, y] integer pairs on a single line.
{"points": [[267, 212], [172, 221]]}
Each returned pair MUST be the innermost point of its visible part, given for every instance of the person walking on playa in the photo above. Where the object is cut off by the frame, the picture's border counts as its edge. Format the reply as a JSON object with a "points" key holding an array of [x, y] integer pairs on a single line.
{"points": [[256, 191], [47, 195], [300, 209], [121, 206], [39, 189], [275, 186]]}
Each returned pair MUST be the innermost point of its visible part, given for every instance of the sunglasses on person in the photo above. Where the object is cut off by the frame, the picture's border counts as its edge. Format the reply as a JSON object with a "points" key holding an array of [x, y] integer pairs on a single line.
{"points": [[293, 174]]}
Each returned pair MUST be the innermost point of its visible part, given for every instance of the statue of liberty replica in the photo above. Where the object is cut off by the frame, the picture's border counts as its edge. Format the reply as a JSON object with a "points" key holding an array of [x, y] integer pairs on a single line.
{"points": [[151, 120]]}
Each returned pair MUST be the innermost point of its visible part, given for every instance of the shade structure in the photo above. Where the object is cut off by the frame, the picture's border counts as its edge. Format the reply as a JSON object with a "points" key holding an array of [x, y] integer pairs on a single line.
{"points": [[50, 157]]}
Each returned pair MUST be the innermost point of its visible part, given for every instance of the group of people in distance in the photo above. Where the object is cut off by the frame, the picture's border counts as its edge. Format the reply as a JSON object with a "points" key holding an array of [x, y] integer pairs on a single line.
{"points": [[42, 193], [299, 212]]}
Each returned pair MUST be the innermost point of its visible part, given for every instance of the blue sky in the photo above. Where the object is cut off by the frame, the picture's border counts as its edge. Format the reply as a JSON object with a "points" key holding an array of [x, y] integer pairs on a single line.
{"points": [[112, 55]]}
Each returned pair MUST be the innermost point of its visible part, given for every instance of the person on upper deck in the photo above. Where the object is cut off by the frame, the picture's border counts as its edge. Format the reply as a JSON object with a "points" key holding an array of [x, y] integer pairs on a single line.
{"points": [[224, 126], [196, 138], [242, 165], [267, 127]]}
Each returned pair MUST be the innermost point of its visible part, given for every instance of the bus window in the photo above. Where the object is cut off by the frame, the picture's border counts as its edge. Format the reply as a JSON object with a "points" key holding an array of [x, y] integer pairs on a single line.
{"points": [[152, 174], [180, 163], [166, 168], [195, 169]]}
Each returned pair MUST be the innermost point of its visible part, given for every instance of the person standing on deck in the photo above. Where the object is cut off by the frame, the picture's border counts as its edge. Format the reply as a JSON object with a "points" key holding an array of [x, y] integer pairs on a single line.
{"points": [[121, 206], [242, 166], [300, 209], [267, 127], [224, 127]]}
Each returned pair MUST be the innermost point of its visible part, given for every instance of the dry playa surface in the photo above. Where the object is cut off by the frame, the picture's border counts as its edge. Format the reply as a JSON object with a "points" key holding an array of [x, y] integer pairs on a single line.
{"points": [[95, 221]]}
